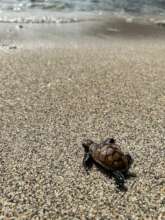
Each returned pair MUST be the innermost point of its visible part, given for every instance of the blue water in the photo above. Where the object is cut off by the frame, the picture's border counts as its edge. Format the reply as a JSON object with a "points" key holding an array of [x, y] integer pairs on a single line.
{"points": [[130, 6], [57, 11]]}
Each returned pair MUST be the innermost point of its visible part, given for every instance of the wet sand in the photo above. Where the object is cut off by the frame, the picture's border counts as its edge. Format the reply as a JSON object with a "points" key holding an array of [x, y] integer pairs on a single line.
{"points": [[52, 96]]}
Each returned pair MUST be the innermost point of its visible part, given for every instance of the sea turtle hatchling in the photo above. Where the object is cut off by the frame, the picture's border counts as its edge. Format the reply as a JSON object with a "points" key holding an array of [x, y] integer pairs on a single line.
{"points": [[110, 157]]}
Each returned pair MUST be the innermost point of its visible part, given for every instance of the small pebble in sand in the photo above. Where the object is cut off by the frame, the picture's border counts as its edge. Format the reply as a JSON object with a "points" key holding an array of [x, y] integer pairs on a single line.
{"points": [[12, 47], [20, 26]]}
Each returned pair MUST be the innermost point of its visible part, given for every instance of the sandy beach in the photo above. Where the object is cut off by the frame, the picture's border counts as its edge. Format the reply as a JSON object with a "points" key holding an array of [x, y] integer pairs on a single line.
{"points": [[57, 90]]}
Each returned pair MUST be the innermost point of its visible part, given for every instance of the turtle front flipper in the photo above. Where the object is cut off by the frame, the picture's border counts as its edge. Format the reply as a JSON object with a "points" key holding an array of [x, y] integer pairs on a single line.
{"points": [[119, 179], [87, 162]]}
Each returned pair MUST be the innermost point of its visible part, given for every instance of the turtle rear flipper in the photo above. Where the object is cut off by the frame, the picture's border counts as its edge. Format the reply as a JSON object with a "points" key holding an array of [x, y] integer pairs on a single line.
{"points": [[119, 179], [129, 174]]}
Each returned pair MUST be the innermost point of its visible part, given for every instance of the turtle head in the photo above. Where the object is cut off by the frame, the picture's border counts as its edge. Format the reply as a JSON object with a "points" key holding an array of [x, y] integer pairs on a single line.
{"points": [[109, 141], [86, 144], [129, 159]]}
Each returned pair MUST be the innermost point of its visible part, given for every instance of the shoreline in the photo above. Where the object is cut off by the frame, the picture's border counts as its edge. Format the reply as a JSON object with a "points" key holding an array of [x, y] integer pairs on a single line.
{"points": [[21, 35]]}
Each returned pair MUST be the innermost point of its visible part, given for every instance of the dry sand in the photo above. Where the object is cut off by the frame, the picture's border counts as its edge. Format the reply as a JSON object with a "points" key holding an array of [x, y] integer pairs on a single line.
{"points": [[51, 98]]}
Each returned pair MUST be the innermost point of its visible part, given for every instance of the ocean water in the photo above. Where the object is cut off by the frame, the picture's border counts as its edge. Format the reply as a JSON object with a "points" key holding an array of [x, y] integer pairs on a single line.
{"points": [[44, 10], [133, 6]]}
